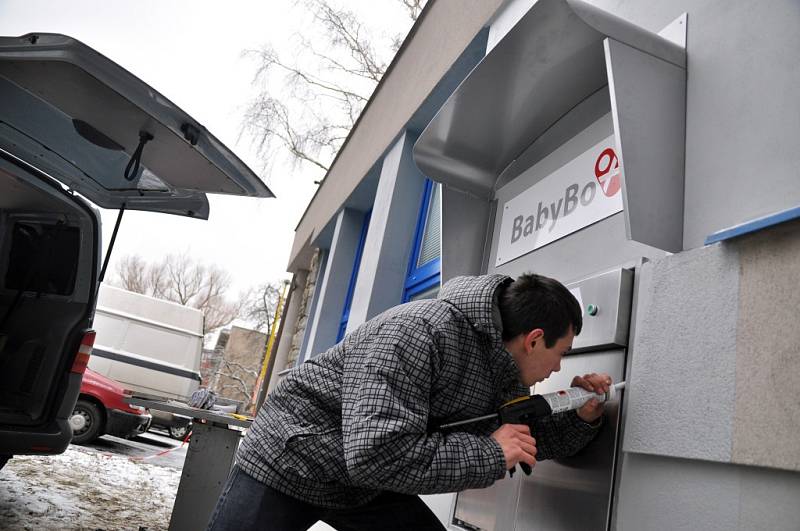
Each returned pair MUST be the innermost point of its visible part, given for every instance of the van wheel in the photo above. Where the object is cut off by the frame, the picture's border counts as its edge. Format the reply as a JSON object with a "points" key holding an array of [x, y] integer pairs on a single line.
{"points": [[178, 432], [86, 422]]}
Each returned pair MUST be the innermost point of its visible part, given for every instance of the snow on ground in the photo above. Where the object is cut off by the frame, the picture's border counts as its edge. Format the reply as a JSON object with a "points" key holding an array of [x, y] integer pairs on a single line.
{"points": [[82, 489]]}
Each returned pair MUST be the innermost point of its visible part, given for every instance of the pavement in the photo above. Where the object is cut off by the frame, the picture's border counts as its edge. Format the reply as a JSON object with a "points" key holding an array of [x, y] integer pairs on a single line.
{"points": [[152, 447], [112, 485]]}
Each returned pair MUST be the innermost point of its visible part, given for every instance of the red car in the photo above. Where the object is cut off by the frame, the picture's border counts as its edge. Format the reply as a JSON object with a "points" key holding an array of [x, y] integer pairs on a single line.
{"points": [[101, 410]]}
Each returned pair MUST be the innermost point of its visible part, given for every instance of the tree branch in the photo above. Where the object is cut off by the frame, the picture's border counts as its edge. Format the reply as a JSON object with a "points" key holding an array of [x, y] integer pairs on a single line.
{"points": [[326, 87]]}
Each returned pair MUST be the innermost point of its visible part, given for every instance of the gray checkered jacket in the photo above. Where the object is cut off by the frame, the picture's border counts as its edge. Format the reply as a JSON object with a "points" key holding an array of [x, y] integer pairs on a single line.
{"points": [[363, 416]]}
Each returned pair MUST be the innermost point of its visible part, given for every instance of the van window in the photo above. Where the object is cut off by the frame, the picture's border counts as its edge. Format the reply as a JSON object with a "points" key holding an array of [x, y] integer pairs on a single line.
{"points": [[43, 258]]}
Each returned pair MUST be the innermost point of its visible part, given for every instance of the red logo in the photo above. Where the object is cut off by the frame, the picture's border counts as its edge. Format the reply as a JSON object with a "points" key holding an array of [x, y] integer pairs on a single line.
{"points": [[606, 170]]}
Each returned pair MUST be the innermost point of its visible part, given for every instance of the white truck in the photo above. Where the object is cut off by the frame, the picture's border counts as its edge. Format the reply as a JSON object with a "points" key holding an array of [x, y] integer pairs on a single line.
{"points": [[151, 346]]}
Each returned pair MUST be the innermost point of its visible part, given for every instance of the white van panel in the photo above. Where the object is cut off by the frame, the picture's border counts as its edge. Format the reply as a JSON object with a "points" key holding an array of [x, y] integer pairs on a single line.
{"points": [[149, 345]]}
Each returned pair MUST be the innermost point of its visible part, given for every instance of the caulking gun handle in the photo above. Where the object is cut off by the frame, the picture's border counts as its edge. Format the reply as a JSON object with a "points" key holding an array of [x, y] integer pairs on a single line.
{"points": [[524, 410], [525, 468]]}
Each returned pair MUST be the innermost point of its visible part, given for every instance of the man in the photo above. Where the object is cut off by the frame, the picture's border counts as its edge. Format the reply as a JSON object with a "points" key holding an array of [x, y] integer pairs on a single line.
{"points": [[351, 436]]}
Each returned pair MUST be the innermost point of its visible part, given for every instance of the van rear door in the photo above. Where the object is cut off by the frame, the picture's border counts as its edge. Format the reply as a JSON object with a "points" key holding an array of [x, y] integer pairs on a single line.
{"points": [[106, 134]]}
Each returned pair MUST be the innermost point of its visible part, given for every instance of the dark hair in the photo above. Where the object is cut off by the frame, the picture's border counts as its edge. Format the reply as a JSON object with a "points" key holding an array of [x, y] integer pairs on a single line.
{"points": [[534, 301]]}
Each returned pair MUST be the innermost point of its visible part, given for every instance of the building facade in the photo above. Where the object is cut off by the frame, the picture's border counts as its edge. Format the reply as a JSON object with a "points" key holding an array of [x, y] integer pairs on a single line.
{"points": [[232, 367], [649, 141]]}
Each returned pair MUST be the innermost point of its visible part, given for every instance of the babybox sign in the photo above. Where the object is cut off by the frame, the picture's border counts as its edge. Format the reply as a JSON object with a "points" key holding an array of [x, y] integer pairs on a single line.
{"points": [[582, 192]]}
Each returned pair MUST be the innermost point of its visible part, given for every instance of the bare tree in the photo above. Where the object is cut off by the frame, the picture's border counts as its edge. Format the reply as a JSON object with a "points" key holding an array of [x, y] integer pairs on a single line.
{"points": [[414, 7], [234, 365], [132, 272], [307, 105], [261, 306], [239, 381], [178, 279]]}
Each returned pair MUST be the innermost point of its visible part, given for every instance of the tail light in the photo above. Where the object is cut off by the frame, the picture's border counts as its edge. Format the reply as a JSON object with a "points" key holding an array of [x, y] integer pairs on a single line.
{"points": [[128, 395], [84, 351]]}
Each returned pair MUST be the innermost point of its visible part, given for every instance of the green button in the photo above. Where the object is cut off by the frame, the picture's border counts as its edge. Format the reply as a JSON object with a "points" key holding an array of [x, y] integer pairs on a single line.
{"points": [[591, 309]]}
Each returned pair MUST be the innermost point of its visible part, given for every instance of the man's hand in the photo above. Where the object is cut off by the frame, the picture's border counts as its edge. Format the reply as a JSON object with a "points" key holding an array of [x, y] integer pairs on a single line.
{"points": [[596, 383], [517, 444]]}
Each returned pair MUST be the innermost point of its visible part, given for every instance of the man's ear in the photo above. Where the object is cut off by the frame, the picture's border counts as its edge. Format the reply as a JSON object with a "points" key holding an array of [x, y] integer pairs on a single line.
{"points": [[532, 337]]}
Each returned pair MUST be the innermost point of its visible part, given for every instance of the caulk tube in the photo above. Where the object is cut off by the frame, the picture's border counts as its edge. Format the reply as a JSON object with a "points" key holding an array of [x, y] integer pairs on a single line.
{"points": [[575, 397]]}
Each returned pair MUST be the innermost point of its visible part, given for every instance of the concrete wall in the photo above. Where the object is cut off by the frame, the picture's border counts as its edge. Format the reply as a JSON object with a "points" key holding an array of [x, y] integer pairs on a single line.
{"points": [[295, 301], [683, 359], [384, 263], [303, 314], [241, 361], [661, 493], [717, 326], [767, 352], [711, 379], [332, 288]]}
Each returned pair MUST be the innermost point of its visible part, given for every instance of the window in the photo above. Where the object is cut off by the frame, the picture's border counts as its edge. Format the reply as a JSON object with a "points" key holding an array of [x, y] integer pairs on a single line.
{"points": [[348, 301], [43, 258], [425, 264]]}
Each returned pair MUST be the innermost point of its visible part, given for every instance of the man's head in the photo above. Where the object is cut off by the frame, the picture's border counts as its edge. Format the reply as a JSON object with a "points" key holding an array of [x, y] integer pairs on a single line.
{"points": [[540, 319]]}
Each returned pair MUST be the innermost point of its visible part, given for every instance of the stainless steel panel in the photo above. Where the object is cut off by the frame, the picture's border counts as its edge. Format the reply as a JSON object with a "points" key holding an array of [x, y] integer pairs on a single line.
{"points": [[489, 509], [575, 492], [550, 61], [610, 295], [464, 222], [208, 462], [644, 91], [561, 494]]}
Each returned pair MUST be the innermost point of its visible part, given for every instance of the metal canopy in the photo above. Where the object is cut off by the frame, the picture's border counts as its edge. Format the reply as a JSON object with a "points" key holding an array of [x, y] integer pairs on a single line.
{"points": [[547, 64], [556, 57]]}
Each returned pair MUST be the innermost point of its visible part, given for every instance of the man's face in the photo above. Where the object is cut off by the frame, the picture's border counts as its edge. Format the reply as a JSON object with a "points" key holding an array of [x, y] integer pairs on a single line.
{"points": [[535, 361]]}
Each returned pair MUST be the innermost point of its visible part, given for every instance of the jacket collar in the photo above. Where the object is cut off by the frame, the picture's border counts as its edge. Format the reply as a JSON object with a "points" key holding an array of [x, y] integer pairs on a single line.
{"points": [[476, 298]]}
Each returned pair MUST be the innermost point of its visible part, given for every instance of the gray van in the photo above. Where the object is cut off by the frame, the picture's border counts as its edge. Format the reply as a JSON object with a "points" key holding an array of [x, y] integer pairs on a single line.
{"points": [[78, 130]]}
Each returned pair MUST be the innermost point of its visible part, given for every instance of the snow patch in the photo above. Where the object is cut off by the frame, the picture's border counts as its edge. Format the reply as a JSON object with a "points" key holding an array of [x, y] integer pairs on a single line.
{"points": [[83, 489]]}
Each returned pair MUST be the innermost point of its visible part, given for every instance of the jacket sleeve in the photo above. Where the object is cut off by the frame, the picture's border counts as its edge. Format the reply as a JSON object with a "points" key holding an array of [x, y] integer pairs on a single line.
{"points": [[562, 435], [385, 417]]}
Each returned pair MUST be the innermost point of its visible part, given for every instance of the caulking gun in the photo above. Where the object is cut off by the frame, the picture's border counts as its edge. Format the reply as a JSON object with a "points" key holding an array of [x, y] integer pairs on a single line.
{"points": [[526, 409]]}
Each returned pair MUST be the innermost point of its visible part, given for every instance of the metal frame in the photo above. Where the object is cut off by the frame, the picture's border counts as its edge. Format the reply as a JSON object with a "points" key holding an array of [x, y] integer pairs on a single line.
{"points": [[428, 275], [754, 225], [209, 459]]}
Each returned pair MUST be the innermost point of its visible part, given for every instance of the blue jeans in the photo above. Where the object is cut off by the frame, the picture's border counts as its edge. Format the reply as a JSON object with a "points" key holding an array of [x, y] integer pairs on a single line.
{"points": [[246, 503]]}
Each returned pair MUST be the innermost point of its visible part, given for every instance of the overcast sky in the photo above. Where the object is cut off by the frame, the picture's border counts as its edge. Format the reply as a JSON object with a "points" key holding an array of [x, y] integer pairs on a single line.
{"points": [[191, 53]]}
